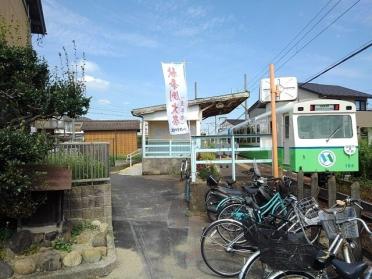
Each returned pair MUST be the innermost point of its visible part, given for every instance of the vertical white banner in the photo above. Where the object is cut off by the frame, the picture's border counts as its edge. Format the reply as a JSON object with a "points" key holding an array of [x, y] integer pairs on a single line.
{"points": [[176, 97]]}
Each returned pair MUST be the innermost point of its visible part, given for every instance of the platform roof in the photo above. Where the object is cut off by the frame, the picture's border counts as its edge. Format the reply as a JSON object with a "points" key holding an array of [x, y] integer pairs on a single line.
{"points": [[211, 106]]}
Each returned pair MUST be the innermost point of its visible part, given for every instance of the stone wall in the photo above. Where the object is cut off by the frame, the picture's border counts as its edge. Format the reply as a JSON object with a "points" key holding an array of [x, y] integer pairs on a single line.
{"points": [[90, 202], [161, 165]]}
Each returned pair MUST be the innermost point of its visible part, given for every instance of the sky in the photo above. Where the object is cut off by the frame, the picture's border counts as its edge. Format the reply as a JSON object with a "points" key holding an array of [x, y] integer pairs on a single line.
{"points": [[124, 43]]}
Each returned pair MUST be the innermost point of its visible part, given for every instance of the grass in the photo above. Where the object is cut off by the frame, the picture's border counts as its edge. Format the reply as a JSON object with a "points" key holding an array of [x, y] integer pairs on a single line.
{"points": [[62, 245], [82, 166], [79, 228]]}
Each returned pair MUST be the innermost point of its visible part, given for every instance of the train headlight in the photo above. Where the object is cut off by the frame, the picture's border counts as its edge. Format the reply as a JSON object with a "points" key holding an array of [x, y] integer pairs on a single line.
{"points": [[349, 149]]}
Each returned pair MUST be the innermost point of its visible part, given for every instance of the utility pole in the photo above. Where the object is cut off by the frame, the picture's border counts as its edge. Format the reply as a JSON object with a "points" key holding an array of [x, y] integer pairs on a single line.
{"points": [[274, 132]]}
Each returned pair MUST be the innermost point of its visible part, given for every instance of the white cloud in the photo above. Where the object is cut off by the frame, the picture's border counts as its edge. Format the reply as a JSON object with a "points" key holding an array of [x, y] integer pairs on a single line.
{"points": [[65, 25], [96, 84], [196, 11], [104, 101]]}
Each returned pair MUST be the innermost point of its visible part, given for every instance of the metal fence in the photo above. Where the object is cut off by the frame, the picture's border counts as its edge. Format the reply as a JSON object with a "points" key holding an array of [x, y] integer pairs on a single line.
{"points": [[89, 161], [227, 149], [162, 148]]}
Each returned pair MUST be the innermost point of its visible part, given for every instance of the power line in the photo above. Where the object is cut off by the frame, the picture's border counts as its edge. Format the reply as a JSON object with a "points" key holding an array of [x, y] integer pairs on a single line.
{"points": [[258, 77], [349, 56], [317, 35]]}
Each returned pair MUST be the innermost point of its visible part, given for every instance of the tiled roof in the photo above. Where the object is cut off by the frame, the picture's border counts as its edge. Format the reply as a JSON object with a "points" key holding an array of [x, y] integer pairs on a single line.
{"points": [[110, 125], [333, 90]]}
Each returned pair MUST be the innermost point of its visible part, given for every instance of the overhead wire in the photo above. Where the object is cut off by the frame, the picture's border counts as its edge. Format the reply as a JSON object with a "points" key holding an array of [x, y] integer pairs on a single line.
{"points": [[342, 60], [318, 34], [312, 39], [263, 70]]}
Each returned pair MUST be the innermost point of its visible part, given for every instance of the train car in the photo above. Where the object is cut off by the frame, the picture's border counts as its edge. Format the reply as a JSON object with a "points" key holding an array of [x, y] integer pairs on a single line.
{"points": [[313, 136]]}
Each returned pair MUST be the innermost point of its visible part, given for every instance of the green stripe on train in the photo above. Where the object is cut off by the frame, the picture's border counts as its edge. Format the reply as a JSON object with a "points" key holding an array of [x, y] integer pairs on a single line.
{"points": [[323, 159]]}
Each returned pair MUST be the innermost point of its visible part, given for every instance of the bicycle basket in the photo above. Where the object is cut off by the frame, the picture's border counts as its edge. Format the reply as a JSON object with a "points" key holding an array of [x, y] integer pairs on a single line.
{"points": [[337, 222], [281, 251], [308, 211]]}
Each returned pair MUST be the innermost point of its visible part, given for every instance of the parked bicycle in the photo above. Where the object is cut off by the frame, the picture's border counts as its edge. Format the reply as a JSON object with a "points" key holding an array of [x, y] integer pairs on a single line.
{"points": [[227, 244], [281, 257]]}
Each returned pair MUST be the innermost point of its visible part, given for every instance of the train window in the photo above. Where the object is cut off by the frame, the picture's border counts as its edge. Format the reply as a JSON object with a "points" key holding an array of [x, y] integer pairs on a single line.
{"points": [[324, 126], [286, 126]]}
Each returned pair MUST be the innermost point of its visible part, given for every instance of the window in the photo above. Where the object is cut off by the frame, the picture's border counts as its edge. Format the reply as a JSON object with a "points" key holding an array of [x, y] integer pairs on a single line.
{"points": [[324, 126], [286, 126], [361, 105], [258, 128]]}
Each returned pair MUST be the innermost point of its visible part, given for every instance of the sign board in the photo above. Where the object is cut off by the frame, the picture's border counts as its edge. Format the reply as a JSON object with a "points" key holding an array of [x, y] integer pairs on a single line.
{"points": [[176, 97], [287, 86]]}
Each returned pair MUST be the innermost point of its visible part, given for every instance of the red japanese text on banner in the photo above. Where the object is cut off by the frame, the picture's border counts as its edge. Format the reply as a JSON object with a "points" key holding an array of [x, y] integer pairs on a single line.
{"points": [[176, 97]]}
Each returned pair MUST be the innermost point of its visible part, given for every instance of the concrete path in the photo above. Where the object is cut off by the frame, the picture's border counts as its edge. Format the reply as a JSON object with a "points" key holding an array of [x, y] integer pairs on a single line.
{"points": [[153, 235], [136, 169]]}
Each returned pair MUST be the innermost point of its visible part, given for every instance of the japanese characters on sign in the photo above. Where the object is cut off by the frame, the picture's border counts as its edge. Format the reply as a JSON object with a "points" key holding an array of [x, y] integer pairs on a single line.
{"points": [[176, 97]]}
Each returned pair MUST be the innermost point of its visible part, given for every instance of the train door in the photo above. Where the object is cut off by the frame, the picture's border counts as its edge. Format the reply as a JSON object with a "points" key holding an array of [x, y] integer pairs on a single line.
{"points": [[286, 139]]}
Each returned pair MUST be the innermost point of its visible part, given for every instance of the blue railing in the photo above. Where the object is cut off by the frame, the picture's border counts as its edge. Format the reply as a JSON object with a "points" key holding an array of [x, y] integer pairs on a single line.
{"points": [[162, 148]]}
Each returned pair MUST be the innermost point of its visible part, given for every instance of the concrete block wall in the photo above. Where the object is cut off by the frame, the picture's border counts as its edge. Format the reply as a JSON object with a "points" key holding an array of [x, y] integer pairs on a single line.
{"points": [[161, 165], [90, 202]]}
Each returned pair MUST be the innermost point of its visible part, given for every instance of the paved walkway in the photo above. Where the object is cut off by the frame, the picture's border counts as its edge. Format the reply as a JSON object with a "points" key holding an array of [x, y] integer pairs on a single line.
{"points": [[136, 169], [153, 235]]}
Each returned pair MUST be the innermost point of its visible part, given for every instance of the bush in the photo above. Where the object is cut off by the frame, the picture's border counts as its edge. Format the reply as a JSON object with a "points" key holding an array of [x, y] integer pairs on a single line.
{"points": [[365, 160], [207, 156], [207, 170]]}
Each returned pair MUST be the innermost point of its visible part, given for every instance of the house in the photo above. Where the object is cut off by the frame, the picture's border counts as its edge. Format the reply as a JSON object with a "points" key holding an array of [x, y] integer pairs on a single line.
{"points": [[324, 91], [228, 123], [163, 152], [24, 17], [120, 134]]}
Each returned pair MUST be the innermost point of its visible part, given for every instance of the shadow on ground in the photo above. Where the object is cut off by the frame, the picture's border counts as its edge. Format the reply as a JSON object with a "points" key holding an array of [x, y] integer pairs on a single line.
{"points": [[154, 236]]}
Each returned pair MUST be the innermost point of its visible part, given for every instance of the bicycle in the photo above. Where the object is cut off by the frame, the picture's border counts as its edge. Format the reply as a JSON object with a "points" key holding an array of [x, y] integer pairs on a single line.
{"points": [[231, 240], [339, 225]]}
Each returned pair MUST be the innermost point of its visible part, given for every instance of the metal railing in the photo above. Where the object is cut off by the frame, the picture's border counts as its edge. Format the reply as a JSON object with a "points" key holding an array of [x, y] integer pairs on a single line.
{"points": [[226, 149], [162, 148], [89, 161], [131, 156]]}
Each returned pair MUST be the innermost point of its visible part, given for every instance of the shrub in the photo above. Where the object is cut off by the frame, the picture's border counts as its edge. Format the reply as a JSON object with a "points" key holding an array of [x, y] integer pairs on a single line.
{"points": [[208, 170], [365, 160]]}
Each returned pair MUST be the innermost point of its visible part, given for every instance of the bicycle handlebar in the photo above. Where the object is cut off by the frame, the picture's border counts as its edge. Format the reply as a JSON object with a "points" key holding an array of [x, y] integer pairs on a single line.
{"points": [[361, 221]]}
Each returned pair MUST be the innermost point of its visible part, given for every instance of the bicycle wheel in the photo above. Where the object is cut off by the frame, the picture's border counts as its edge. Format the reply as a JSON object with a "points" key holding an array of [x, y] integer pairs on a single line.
{"points": [[292, 275], [311, 233], [254, 269], [225, 255], [211, 201], [236, 211]]}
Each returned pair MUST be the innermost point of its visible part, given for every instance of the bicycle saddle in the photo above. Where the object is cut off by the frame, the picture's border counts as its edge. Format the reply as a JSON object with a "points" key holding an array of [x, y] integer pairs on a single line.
{"points": [[349, 270], [230, 182]]}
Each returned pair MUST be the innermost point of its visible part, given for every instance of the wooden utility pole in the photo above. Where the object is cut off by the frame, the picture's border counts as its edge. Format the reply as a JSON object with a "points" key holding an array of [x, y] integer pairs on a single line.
{"points": [[274, 132]]}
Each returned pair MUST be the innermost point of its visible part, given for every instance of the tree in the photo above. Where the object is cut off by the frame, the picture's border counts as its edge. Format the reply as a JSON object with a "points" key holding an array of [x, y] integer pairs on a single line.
{"points": [[30, 92]]}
